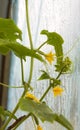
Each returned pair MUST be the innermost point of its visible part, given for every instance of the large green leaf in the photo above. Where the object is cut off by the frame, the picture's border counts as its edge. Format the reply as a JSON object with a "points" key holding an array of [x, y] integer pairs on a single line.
{"points": [[9, 30], [42, 111], [9, 33], [55, 40], [20, 50]]}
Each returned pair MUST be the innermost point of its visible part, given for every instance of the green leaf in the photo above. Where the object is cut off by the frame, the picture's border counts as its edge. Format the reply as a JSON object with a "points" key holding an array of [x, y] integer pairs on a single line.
{"points": [[3, 50], [9, 33], [44, 75], [55, 40], [65, 66], [9, 30], [42, 111], [19, 50], [4, 113], [63, 121]]}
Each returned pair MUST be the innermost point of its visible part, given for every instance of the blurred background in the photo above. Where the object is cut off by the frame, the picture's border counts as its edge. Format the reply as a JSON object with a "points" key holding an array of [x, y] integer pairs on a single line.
{"points": [[63, 17]]}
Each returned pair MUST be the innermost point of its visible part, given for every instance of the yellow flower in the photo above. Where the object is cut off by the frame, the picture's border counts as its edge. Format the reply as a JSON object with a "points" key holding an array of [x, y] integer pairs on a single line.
{"points": [[39, 127], [31, 96], [57, 90], [50, 57]]}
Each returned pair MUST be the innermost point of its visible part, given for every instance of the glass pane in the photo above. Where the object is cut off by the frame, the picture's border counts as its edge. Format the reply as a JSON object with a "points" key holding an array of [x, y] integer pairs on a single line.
{"points": [[62, 17]]}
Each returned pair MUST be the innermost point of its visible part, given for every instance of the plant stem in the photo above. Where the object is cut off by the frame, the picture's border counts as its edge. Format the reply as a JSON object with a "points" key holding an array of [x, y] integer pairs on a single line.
{"points": [[22, 120], [45, 93], [22, 71], [60, 72], [5, 85], [40, 52], [30, 39], [31, 70], [35, 118], [28, 24], [41, 45]]}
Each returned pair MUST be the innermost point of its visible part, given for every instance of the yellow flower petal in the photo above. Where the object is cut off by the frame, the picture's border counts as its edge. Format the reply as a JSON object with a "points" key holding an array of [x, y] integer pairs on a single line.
{"points": [[39, 127], [31, 96], [50, 57], [57, 90]]}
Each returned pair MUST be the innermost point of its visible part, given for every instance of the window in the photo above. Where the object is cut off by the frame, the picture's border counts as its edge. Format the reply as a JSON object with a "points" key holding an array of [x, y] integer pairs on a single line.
{"points": [[63, 17]]}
